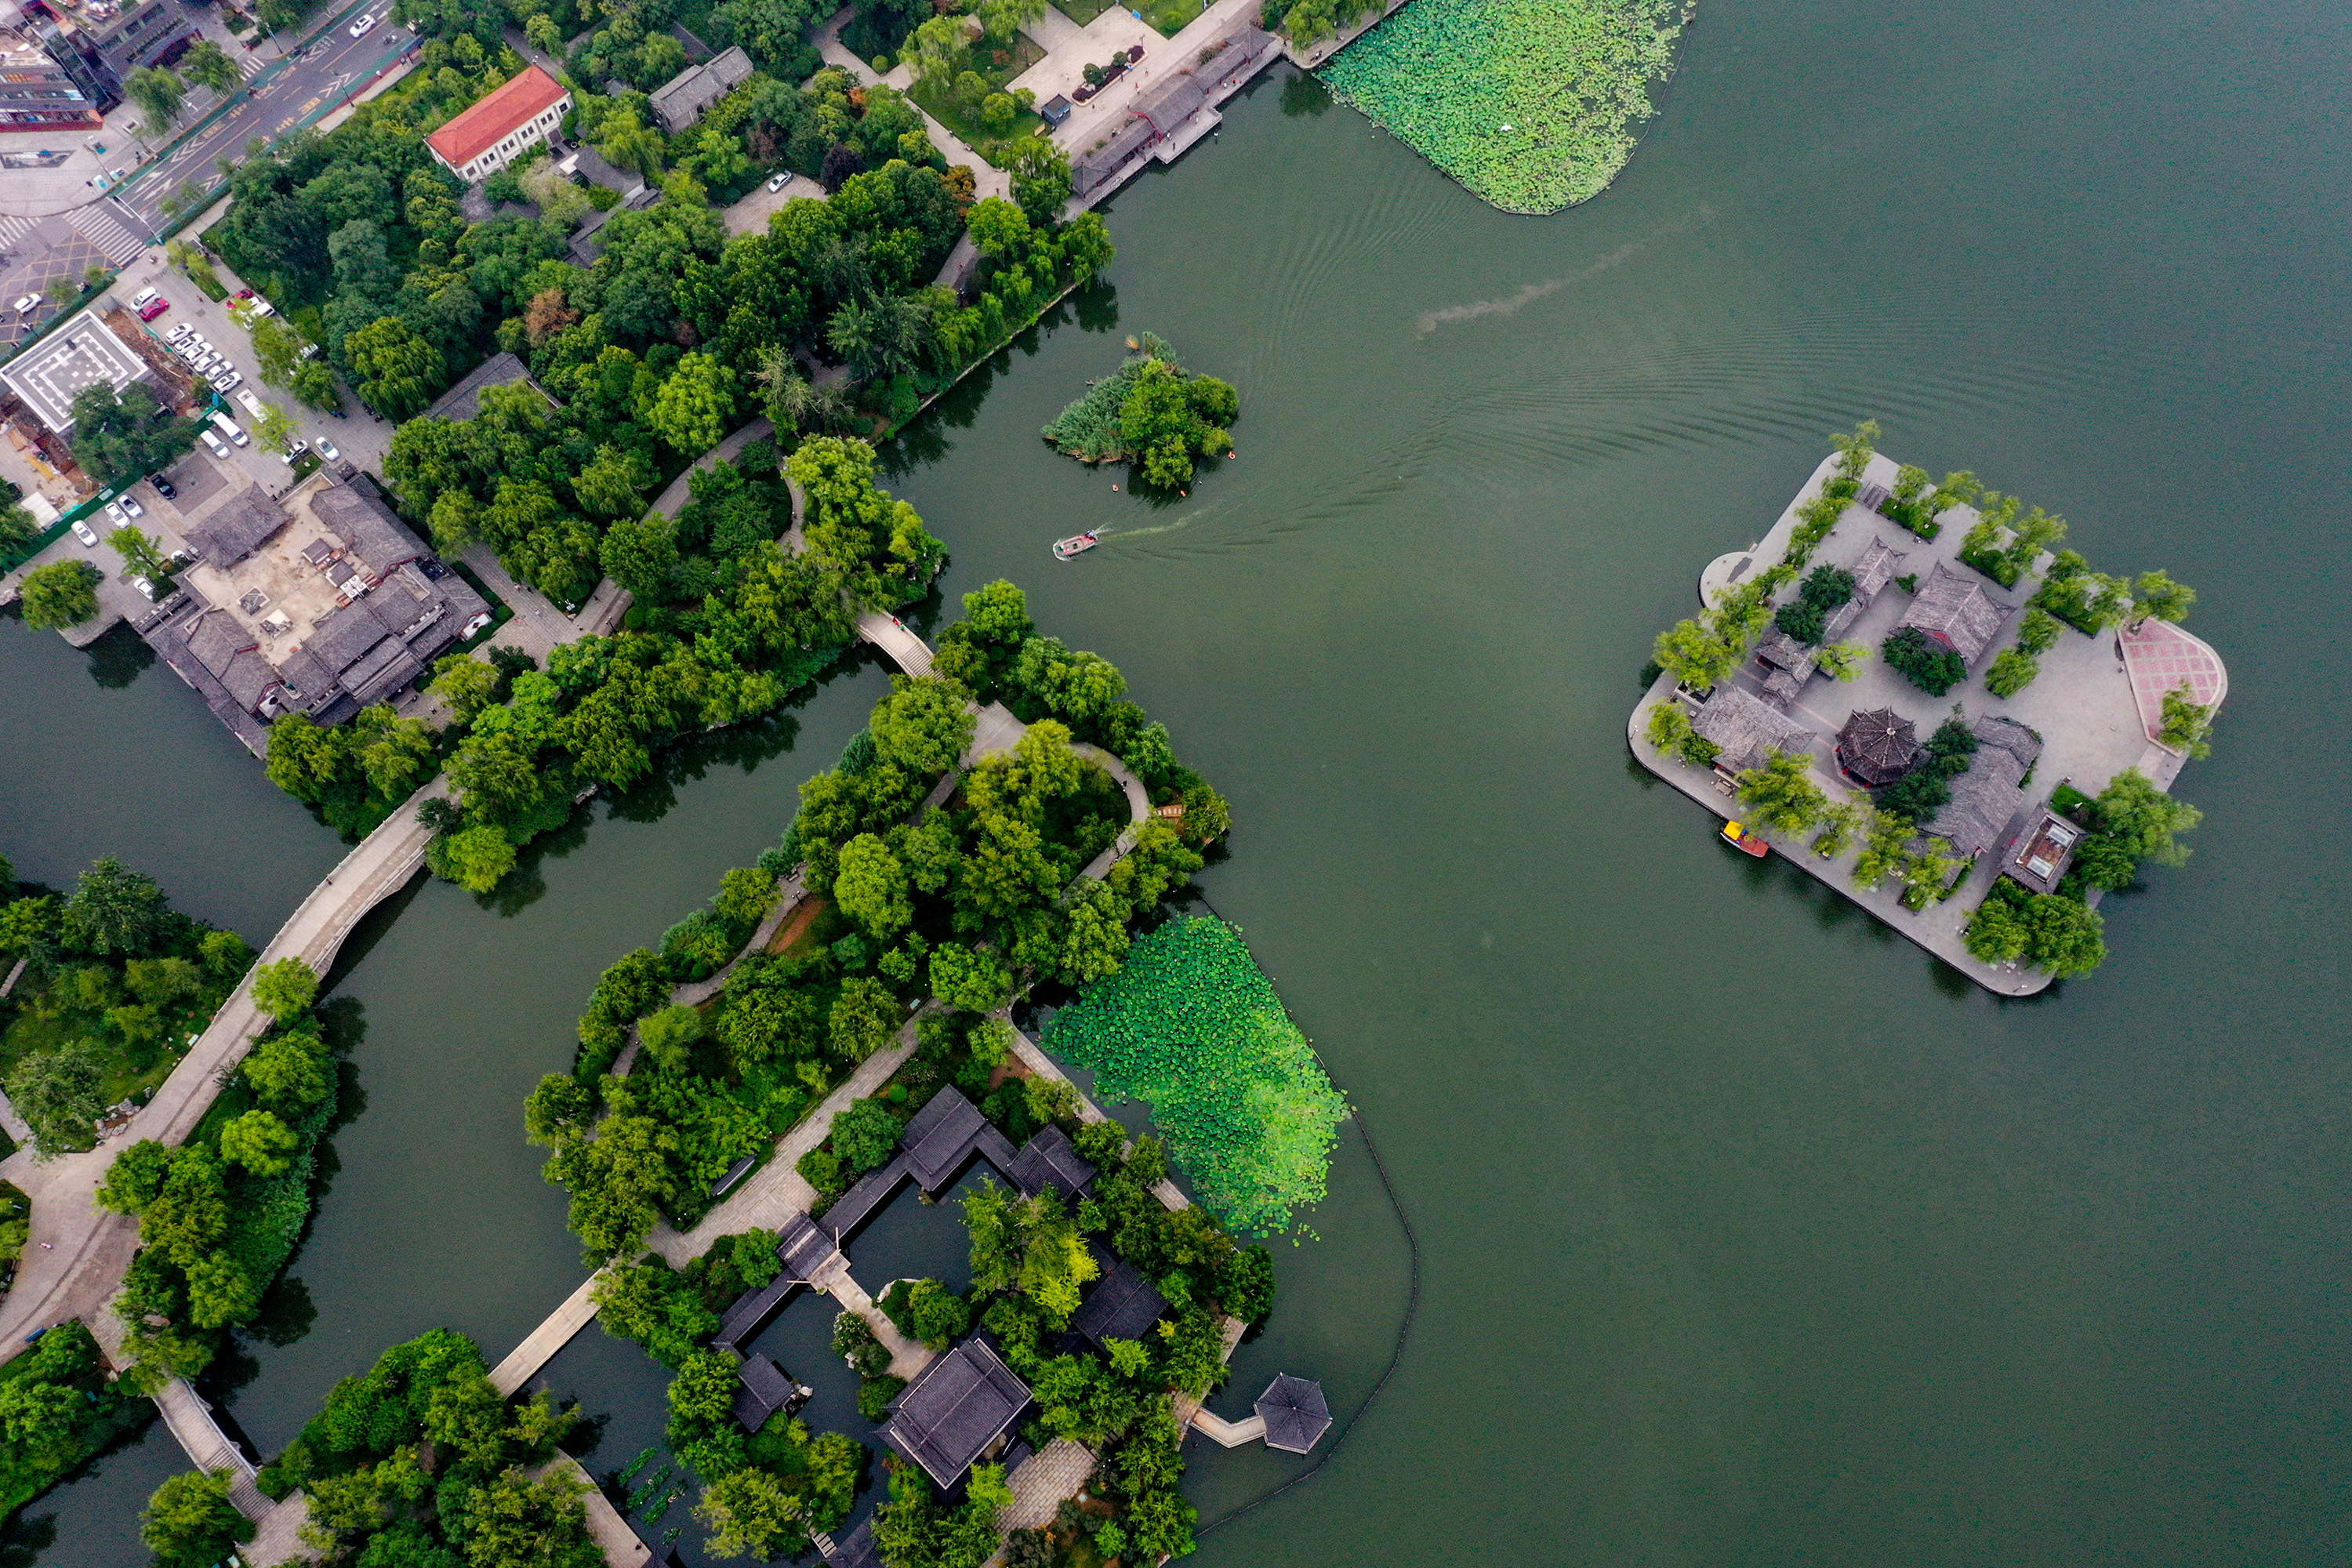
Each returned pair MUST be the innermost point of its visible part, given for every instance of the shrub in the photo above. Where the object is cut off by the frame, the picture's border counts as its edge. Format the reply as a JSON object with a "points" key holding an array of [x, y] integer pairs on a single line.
{"points": [[1802, 620], [2037, 631], [1918, 796], [1927, 665], [874, 1394]]}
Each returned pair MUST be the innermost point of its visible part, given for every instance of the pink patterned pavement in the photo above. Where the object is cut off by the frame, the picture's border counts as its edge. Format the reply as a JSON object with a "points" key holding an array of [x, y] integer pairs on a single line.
{"points": [[2161, 657]]}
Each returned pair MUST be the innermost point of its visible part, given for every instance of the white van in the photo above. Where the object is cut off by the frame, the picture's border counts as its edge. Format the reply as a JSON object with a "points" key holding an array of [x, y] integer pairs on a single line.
{"points": [[252, 404], [212, 441], [227, 428]]}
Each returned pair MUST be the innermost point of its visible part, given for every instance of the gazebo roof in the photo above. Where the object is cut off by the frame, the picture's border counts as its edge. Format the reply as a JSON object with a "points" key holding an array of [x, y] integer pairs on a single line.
{"points": [[1294, 1412], [1878, 745]]}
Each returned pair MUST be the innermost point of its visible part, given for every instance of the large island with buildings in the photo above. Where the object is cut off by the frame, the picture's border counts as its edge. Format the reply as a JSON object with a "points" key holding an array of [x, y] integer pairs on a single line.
{"points": [[1907, 692]]}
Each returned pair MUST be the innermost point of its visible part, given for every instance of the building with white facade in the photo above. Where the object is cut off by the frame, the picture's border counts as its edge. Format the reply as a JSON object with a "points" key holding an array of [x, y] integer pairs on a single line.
{"points": [[502, 127]]}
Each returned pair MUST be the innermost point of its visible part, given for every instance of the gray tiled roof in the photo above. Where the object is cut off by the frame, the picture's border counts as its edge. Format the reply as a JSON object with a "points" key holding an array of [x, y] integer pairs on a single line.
{"points": [[765, 1390], [940, 1137], [1956, 611], [1050, 1160], [955, 1408], [1745, 728], [681, 100], [236, 529], [1295, 1413], [1122, 1306], [1778, 648], [464, 400], [343, 638], [1987, 796]]}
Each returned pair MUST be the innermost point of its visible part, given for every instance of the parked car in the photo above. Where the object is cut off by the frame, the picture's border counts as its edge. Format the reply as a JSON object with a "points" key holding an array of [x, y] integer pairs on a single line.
{"points": [[178, 334], [153, 308], [359, 29], [780, 182], [82, 532], [146, 586], [24, 306], [229, 383], [130, 504], [142, 300], [326, 451], [114, 514], [296, 450], [214, 442], [165, 488]]}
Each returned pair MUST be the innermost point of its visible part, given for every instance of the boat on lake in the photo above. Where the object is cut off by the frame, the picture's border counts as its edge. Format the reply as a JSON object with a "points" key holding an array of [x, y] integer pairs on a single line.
{"points": [[1076, 544], [1742, 838]]}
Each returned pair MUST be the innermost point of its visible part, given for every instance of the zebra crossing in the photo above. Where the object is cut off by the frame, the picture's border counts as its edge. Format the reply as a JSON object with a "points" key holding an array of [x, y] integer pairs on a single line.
{"points": [[13, 229], [107, 232]]}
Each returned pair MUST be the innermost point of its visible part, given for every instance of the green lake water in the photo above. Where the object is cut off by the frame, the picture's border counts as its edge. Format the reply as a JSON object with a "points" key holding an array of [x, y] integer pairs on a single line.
{"points": [[1747, 1235]]}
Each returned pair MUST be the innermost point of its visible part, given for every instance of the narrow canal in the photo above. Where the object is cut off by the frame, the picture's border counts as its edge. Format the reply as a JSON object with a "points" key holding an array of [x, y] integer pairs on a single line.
{"points": [[1748, 1236]]}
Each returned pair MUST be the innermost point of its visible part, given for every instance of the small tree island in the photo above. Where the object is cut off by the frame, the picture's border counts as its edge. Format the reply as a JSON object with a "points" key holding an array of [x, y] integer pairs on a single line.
{"points": [[1153, 412]]}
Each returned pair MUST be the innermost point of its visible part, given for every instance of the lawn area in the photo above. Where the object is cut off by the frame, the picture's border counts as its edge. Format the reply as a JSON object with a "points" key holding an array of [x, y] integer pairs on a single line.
{"points": [[1173, 17], [966, 125]]}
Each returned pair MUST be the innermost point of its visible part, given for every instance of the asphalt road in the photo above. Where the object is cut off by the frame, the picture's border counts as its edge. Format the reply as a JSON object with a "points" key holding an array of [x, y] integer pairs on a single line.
{"points": [[306, 86]]}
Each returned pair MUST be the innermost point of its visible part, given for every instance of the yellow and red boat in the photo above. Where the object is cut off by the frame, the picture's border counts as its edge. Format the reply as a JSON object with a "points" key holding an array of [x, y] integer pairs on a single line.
{"points": [[1743, 838]]}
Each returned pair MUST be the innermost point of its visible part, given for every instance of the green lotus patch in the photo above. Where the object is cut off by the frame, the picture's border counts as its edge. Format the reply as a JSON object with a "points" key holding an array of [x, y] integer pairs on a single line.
{"points": [[1529, 104]]}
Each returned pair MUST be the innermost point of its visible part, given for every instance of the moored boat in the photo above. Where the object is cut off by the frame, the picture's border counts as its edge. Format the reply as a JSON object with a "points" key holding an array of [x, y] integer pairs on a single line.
{"points": [[1741, 837]]}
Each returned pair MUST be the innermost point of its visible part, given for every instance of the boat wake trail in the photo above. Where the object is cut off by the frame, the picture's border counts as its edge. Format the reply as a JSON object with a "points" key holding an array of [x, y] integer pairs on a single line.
{"points": [[1513, 304]]}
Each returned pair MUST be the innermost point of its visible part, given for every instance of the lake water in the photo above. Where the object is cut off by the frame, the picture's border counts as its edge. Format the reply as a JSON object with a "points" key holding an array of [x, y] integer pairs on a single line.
{"points": [[1746, 1234]]}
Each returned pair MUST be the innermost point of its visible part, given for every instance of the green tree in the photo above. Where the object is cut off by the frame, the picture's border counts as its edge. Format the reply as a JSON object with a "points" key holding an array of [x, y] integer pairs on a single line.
{"points": [[288, 1072], [120, 436], [1042, 180], [871, 887], [613, 485], [2156, 594], [190, 1522], [1095, 941], [2145, 819], [285, 988], [2037, 631], [158, 94], [314, 385], [1782, 792], [1695, 656], [37, 1420], [1840, 661], [136, 1177], [276, 431], [2186, 722], [925, 724], [2010, 672], [398, 372], [57, 1092], [207, 64], [466, 685], [864, 1136], [745, 894], [1884, 835], [141, 555], [864, 1018], [670, 1035], [260, 1142], [641, 554], [62, 594], [189, 1218], [1996, 934], [695, 406], [938, 1314], [518, 1523], [220, 1291], [2065, 937], [477, 859], [968, 979], [752, 1514]]}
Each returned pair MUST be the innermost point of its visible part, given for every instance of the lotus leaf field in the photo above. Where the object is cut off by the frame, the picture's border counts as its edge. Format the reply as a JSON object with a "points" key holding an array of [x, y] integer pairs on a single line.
{"points": [[1530, 104], [1190, 1026]]}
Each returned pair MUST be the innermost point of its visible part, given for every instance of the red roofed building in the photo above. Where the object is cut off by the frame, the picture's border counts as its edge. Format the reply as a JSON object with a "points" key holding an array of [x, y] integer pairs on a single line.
{"points": [[502, 127]]}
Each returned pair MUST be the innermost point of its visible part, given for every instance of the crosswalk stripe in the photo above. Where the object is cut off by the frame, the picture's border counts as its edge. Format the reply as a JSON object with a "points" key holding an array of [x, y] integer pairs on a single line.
{"points": [[101, 229], [13, 229]]}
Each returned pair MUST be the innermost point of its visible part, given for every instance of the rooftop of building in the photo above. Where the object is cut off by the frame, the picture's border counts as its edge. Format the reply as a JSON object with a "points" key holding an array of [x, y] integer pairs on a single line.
{"points": [[499, 111]]}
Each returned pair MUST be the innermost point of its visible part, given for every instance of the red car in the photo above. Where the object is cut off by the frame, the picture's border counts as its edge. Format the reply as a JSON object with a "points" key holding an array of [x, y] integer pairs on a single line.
{"points": [[154, 308]]}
